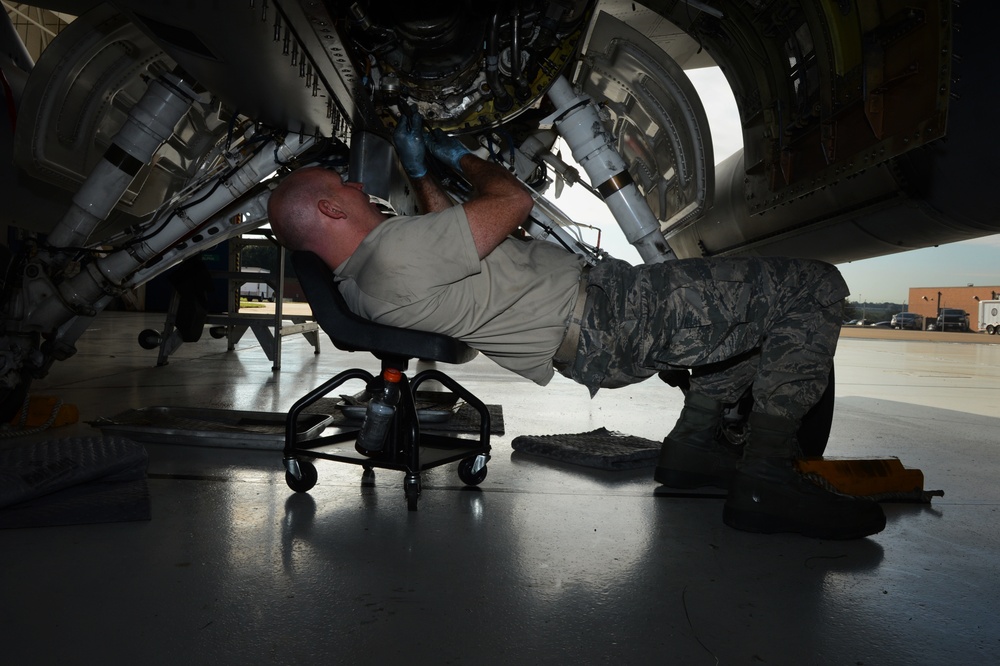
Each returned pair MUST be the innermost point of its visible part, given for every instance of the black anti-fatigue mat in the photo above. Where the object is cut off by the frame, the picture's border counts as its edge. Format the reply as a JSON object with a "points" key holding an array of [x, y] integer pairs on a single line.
{"points": [[601, 448], [72, 481], [86, 504]]}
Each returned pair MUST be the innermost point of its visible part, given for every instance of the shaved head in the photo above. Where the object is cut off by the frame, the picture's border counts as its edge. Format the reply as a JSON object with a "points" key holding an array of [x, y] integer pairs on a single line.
{"points": [[313, 209], [292, 208]]}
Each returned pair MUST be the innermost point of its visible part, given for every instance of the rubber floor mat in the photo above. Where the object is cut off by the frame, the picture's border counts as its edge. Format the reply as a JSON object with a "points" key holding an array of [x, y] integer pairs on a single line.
{"points": [[72, 481], [601, 448]]}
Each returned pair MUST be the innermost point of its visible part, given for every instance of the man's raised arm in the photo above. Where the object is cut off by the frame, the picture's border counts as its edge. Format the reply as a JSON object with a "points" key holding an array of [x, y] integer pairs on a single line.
{"points": [[430, 195], [500, 204], [498, 207], [412, 151]]}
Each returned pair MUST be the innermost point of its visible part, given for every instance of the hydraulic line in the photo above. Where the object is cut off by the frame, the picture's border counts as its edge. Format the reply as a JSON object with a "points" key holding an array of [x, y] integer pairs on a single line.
{"points": [[107, 275], [502, 100], [521, 88]]}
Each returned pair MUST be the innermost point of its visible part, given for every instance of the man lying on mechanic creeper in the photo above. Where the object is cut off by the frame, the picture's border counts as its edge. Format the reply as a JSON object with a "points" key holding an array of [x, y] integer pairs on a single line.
{"points": [[533, 308]]}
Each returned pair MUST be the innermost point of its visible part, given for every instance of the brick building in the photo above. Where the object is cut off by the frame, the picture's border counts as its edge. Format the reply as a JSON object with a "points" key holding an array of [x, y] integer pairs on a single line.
{"points": [[928, 300]]}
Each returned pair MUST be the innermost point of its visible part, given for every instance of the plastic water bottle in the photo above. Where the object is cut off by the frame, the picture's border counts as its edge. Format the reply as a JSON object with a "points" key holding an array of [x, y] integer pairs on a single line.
{"points": [[378, 416]]}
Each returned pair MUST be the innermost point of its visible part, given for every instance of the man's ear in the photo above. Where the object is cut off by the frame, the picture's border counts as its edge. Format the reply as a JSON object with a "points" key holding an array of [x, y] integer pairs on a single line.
{"points": [[330, 208]]}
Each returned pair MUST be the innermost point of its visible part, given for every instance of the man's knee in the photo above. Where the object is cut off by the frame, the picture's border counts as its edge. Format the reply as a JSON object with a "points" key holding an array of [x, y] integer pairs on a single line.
{"points": [[827, 284]]}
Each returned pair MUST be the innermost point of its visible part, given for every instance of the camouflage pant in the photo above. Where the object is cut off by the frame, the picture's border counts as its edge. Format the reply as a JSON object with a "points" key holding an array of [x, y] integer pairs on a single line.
{"points": [[772, 322]]}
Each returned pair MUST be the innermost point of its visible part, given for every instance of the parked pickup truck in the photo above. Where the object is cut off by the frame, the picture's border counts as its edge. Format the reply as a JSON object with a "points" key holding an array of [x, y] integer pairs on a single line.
{"points": [[953, 319]]}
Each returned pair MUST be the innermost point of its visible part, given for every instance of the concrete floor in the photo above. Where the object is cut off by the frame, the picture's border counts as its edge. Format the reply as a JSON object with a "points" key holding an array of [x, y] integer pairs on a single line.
{"points": [[544, 562]]}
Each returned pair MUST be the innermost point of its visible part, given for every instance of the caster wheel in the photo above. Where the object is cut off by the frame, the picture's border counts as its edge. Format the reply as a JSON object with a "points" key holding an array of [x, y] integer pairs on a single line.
{"points": [[218, 332], [308, 480], [149, 339], [466, 474], [411, 489], [368, 477]]}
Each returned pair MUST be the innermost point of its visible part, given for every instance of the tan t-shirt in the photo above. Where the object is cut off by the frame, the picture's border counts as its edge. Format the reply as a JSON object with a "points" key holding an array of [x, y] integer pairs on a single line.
{"points": [[424, 273]]}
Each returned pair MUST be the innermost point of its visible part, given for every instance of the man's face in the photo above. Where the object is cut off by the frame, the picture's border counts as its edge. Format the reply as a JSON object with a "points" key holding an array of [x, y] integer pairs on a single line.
{"points": [[351, 193]]}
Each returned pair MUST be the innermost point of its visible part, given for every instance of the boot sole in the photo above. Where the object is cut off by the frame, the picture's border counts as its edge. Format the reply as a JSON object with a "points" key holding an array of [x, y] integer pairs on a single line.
{"points": [[675, 478], [687, 467]]}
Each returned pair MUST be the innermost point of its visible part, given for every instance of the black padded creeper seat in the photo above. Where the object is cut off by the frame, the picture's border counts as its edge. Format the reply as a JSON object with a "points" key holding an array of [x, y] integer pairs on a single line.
{"points": [[407, 448]]}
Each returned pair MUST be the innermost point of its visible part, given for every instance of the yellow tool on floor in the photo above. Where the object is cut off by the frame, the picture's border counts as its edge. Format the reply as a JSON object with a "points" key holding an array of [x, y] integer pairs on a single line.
{"points": [[878, 478], [41, 409]]}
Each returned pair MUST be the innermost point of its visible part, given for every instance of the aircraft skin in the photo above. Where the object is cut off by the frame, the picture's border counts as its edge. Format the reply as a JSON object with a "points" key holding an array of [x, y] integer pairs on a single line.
{"points": [[863, 128]]}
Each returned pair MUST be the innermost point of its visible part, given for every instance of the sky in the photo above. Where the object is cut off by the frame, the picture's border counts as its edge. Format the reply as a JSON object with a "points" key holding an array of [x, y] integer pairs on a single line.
{"points": [[876, 280]]}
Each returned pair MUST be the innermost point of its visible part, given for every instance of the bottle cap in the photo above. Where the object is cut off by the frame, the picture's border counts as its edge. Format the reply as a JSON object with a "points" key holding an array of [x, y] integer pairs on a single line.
{"points": [[392, 375]]}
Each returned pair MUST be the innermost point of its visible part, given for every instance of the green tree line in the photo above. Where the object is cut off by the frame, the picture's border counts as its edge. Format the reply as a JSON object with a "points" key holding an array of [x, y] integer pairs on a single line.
{"points": [[871, 311]]}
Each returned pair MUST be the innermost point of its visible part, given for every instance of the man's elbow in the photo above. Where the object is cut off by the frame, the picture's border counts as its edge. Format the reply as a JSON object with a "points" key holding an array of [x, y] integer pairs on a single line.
{"points": [[523, 203]]}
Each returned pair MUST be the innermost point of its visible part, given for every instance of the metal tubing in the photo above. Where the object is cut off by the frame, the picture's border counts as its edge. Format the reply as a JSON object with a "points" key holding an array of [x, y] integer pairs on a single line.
{"points": [[501, 98], [12, 44], [516, 65], [116, 267], [578, 123], [106, 275], [253, 213]]}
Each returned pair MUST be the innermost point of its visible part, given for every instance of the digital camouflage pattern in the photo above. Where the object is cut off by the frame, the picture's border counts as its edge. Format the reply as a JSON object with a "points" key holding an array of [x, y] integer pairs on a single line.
{"points": [[773, 322]]}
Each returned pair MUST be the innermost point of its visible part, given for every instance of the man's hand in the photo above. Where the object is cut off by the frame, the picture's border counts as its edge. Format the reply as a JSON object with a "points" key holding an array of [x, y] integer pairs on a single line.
{"points": [[500, 204], [410, 146], [446, 148]]}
